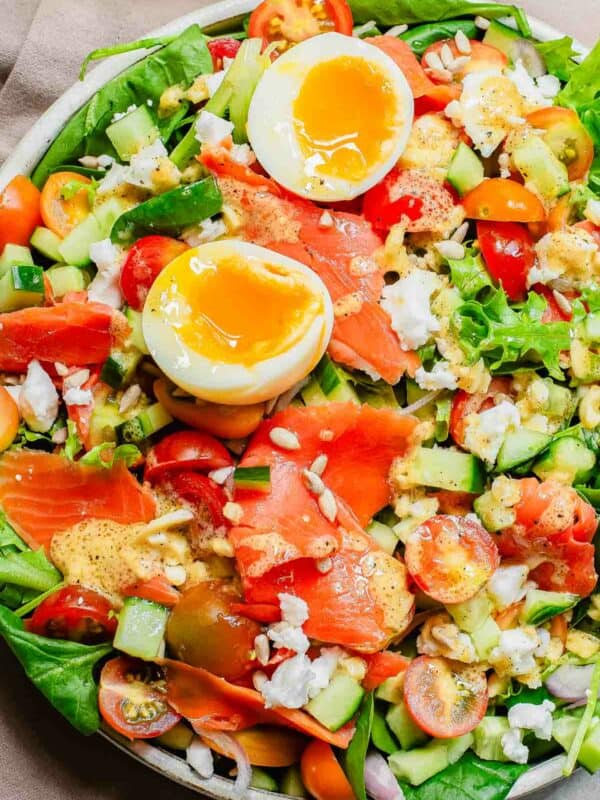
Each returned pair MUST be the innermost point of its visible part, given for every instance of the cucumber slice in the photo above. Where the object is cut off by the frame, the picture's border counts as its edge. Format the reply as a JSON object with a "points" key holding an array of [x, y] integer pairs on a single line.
{"points": [[486, 637], [404, 728], [291, 783], [22, 286], [589, 755], [119, 368], [591, 327], [465, 171], [257, 479], [488, 738], [384, 536], [47, 243], [149, 421], [519, 447], [261, 779], [541, 606], [133, 132], [493, 514], [136, 337], [472, 613], [541, 168], [446, 469], [333, 382], [567, 460], [312, 395], [501, 37], [391, 690], [418, 765], [105, 420], [141, 629], [14, 255], [75, 248], [64, 279], [335, 705]]}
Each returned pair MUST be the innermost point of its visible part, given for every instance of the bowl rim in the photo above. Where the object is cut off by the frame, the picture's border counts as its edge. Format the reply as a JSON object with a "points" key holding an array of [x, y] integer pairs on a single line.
{"points": [[22, 160]]}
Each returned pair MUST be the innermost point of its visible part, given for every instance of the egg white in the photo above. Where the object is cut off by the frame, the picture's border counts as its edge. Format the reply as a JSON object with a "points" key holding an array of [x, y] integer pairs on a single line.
{"points": [[271, 119], [231, 383]]}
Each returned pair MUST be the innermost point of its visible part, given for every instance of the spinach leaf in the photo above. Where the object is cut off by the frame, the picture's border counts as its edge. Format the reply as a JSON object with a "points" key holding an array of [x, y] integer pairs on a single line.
{"points": [[422, 36], [30, 569], [558, 57], [469, 275], [395, 12], [525, 695], [471, 778], [354, 758], [124, 47], [170, 212], [61, 670], [178, 62], [10, 542]]}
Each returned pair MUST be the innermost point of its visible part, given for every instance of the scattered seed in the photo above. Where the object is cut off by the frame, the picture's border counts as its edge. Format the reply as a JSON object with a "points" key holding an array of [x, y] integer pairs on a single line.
{"points": [[61, 369], [460, 233], [262, 649], [313, 481], [326, 435], [76, 379], [176, 575], [482, 23], [433, 61], [171, 520], [450, 249], [562, 302], [282, 437], [130, 398], [459, 63], [326, 220], [396, 31], [447, 56], [221, 475], [258, 680], [463, 45], [328, 505], [223, 548], [319, 464], [233, 512], [324, 565]]}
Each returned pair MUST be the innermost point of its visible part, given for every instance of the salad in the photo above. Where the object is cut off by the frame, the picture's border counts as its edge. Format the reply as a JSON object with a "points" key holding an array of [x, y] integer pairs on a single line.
{"points": [[300, 402]]}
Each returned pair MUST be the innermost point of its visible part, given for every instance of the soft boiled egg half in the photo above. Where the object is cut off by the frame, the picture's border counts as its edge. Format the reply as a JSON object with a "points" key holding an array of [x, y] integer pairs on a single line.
{"points": [[234, 323], [330, 117]]}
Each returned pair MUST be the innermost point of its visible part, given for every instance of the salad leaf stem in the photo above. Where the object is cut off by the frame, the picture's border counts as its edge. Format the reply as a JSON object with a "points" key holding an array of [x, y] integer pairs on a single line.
{"points": [[125, 47], [585, 721], [27, 608]]}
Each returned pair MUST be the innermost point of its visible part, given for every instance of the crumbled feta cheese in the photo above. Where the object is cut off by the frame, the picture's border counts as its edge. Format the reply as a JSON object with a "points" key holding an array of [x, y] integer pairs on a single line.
{"points": [[212, 130], [242, 154], [514, 655], [440, 377], [284, 635], [544, 645], [289, 683], [144, 164], [206, 231], [105, 287], [115, 177], [120, 114], [533, 717], [508, 585], [323, 668], [526, 86], [408, 303], [38, 399], [543, 275], [513, 747], [78, 397], [485, 431], [294, 610]]}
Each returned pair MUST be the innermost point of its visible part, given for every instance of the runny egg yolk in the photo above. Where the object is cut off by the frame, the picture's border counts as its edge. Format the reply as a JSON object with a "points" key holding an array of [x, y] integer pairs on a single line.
{"points": [[344, 115], [240, 310]]}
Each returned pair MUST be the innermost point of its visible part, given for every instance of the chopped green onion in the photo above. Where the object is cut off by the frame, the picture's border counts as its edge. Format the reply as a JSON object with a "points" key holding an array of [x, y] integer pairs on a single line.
{"points": [[584, 725], [256, 478]]}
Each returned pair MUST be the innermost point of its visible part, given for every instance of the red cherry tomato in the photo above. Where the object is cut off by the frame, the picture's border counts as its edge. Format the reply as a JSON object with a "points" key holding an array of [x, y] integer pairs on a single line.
{"points": [[481, 58], [445, 698], [567, 137], [503, 200], [207, 497], [437, 99], [19, 212], [451, 558], [410, 194], [144, 261], [553, 312], [186, 450], [223, 48], [382, 666], [76, 614], [132, 699], [508, 252], [293, 21], [464, 404]]}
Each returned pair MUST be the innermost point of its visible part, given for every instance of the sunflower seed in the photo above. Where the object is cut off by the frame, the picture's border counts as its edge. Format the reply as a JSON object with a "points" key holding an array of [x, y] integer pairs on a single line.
{"points": [[328, 505], [396, 31], [450, 249], [433, 61], [262, 649], [130, 398], [233, 512], [313, 481], [319, 464], [221, 475], [482, 23], [282, 437], [460, 233], [463, 45], [447, 56]]}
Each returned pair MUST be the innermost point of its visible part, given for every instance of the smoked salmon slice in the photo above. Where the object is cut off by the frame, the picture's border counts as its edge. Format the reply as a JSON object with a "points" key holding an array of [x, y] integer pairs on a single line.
{"points": [[75, 334], [400, 52], [42, 494]]}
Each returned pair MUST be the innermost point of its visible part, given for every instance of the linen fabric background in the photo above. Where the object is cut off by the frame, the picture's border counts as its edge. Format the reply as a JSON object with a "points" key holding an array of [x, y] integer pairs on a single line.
{"points": [[42, 44]]}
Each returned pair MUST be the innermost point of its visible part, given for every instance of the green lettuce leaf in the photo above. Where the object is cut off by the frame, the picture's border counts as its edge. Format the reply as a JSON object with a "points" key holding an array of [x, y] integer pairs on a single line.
{"points": [[558, 55], [469, 275], [106, 455]]}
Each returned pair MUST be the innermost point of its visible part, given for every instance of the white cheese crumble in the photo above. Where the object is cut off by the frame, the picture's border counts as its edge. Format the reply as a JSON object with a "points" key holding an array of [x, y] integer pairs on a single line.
{"points": [[78, 397], [288, 633], [294, 610], [206, 231], [485, 431], [214, 81], [533, 717], [105, 287], [212, 130], [143, 165], [526, 86], [38, 399], [592, 211], [513, 747], [297, 680], [539, 274], [440, 377], [508, 585], [408, 303], [515, 651], [120, 114]]}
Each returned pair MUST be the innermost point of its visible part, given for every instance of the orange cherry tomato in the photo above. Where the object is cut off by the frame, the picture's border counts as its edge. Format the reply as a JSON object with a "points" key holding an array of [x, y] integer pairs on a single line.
{"points": [[451, 558], [481, 57], [9, 419], [293, 21], [19, 212], [561, 214], [503, 200], [445, 698], [567, 137], [322, 774], [63, 209]]}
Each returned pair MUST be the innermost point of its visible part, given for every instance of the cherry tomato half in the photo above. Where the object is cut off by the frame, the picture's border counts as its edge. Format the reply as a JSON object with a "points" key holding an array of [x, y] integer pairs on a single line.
{"points": [[292, 21], [207, 497], [9, 419], [322, 774], [567, 137], [19, 212], [451, 558], [445, 698], [76, 614], [63, 209], [223, 48], [503, 200], [508, 252], [132, 699], [186, 450], [553, 312], [204, 632], [464, 404], [482, 57], [148, 256]]}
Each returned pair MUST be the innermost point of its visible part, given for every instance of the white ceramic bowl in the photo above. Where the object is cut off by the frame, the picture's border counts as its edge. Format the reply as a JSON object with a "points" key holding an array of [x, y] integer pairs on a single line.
{"points": [[22, 161]]}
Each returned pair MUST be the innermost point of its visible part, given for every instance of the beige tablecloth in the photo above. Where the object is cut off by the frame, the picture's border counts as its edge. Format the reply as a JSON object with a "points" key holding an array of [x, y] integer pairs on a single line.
{"points": [[42, 43]]}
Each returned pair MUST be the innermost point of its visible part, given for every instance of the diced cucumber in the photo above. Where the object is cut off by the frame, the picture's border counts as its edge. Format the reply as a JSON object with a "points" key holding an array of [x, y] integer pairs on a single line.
{"points": [[141, 629], [465, 171], [149, 421], [472, 613], [418, 765], [75, 248], [261, 779], [519, 447], [291, 783], [333, 382], [21, 286], [404, 728], [257, 479], [381, 735], [493, 514], [106, 418], [501, 37], [384, 536], [541, 606], [458, 747], [119, 368], [47, 243], [133, 132], [178, 738], [541, 168], [312, 394], [567, 460], [564, 730], [337, 703], [64, 279], [392, 689], [486, 637], [589, 755], [488, 738], [446, 469], [14, 255], [585, 364], [136, 337]]}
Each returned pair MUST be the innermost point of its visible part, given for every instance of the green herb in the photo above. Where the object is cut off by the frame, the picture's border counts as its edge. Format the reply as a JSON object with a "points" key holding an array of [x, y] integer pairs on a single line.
{"points": [[126, 47], [585, 722], [61, 670], [72, 444], [558, 57], [107, 455], [169, 213], [469, 275], [354, 758], [178, 62], [421, 37], [396, 12], [471, 778], [71, 188], [510, 338], [521, 694]]}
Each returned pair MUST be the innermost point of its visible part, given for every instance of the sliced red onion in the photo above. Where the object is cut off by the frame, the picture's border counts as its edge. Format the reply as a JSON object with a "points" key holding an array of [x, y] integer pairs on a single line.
{"points": [[199, 756], [380, 781], [570, 682], [226, 744], [420, 403]]}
